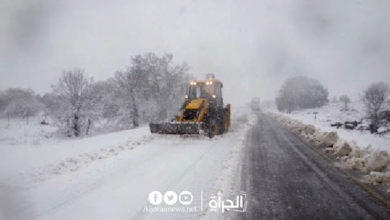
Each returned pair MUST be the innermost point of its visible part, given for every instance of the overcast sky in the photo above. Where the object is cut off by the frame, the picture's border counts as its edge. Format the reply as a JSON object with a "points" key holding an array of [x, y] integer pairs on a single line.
{"points": [[252, 46]]}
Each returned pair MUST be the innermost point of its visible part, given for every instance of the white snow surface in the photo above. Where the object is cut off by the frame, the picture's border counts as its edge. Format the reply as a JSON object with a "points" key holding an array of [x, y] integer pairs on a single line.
{"points": [[110, 176], [332, 113], [19, 131]]}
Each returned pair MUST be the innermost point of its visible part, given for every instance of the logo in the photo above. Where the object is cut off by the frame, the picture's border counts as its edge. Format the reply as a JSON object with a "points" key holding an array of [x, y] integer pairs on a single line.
{"points": [[217, 203], [185, 198], [180, 202], [155, 198], [170, 198]]}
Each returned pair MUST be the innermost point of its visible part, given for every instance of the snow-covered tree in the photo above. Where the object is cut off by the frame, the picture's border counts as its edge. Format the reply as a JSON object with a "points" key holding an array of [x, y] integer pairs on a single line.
{"points": [[375, 99], [20, 103], [345, 100], [299, 93], [107, 93], [129, 93], [152, 88], [74, 102]]}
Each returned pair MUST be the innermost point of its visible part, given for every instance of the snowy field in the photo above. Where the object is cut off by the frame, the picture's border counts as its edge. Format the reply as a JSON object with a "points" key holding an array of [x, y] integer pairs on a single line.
{"points": [[109, 176], [19, 131], [333, 112]]}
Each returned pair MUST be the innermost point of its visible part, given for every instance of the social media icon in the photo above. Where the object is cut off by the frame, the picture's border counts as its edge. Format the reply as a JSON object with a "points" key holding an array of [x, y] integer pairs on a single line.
{"points": [[185, 197], [170, 198], [155, 198]]}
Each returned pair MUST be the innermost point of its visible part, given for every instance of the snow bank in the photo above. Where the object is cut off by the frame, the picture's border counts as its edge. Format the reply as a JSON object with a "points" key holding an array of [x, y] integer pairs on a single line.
{"points": [[333, 113], [36, 163], [374, 163]]}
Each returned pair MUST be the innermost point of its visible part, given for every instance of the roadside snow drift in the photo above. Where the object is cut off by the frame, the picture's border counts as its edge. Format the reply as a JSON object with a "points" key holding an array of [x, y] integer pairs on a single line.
{"points": [[373, 162]]}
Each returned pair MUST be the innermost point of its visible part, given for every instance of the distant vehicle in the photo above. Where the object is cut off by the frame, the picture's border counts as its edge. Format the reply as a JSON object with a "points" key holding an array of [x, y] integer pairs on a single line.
{"points": [[203, 111]]}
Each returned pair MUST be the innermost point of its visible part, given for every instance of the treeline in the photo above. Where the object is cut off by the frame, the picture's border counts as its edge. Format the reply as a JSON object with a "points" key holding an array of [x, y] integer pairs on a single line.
{"points": [[22, 103], [150, 89]]}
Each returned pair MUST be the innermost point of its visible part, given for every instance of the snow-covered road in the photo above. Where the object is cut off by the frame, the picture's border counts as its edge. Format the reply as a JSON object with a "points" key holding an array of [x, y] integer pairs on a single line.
{"points": [[287, 179], [110, 176]]}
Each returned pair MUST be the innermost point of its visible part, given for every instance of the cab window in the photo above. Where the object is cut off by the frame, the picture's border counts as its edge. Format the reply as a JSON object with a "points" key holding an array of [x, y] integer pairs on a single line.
{"points": [[200, 91]]}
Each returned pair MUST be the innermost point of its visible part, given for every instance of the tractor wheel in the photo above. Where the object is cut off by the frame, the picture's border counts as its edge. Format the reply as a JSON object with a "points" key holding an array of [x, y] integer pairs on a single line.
{"points": [[225, 121], [221, 124], [212, 128]]}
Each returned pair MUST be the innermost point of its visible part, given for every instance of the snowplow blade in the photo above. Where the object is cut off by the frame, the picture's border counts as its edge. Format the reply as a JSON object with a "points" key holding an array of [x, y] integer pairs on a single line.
{"points": [[175, 128]]}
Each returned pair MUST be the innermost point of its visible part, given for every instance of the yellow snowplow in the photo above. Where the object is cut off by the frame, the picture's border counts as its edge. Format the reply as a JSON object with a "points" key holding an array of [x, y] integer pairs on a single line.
{"points": [[203, 111]]}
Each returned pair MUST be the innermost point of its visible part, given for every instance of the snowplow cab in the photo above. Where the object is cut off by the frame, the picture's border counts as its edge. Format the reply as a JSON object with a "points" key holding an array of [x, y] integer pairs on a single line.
{"points": [[202, 111], [210, 89]]}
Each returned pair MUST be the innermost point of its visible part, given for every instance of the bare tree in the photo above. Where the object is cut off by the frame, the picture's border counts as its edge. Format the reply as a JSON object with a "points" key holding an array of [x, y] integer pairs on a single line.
{"points": [[374, 98], [74, 93], [346, 100]]}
